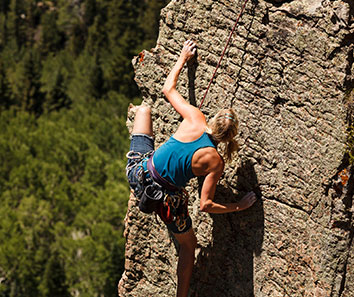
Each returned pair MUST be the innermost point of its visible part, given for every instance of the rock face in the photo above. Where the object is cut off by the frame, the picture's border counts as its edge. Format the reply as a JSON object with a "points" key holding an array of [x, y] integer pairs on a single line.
{"points": [[288, 73]]}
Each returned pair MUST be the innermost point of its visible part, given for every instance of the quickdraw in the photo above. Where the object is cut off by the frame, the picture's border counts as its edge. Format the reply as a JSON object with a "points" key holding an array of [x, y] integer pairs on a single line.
{"points": [[171, 209]]}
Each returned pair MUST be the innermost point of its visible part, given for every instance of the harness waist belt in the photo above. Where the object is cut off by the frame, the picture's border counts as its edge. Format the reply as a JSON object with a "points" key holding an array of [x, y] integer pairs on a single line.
{"points": [[158, 178]]}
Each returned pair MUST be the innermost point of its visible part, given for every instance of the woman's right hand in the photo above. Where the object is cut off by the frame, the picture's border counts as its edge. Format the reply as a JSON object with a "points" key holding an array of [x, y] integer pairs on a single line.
{"points": [[247, 201], [188, 50]]}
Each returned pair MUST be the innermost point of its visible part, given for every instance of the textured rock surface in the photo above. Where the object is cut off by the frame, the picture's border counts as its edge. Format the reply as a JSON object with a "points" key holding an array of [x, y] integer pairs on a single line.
{"points": [[289, 74]]}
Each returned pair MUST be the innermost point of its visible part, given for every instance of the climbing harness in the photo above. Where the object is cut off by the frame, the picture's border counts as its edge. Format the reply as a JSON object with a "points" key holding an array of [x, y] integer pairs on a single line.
{"points": [[158, 178], [158, 195], [223, 53]]}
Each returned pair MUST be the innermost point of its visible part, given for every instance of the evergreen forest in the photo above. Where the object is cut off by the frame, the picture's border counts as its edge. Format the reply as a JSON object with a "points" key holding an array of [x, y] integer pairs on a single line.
{"points": [[66, 81]]}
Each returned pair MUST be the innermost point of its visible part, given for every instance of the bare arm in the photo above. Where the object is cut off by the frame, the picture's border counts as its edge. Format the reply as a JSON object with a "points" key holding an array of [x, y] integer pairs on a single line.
{"points": [[169, 89], [207, 196]]}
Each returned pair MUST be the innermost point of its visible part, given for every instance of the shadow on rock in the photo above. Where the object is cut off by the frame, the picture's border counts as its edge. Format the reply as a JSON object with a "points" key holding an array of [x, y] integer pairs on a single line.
{"points": [[192, 65], [226, 266]]}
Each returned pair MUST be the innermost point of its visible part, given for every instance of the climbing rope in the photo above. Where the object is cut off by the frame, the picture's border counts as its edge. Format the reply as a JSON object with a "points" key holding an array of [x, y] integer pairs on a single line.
{"points": [[223, 53]]}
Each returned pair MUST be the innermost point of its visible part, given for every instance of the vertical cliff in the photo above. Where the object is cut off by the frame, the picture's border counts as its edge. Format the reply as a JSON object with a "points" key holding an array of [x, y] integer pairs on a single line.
{"points": [[289, 75]]}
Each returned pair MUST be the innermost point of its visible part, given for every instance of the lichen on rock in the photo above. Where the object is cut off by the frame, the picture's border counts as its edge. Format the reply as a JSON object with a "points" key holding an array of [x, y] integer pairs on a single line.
{"points": [[287, 73]]}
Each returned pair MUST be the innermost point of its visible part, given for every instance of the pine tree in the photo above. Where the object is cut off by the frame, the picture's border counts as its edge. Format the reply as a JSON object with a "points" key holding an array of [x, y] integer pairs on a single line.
{"points": [[30, 94], [4, 6], [90, 7], [5, 92], [16, 23], [52, 39], [2, 30], [57, 97], [54, 280], [151, 15]]}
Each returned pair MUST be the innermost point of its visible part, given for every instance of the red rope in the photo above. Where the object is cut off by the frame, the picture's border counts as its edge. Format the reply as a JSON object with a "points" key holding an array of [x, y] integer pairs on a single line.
{"points": [[223, 53]]}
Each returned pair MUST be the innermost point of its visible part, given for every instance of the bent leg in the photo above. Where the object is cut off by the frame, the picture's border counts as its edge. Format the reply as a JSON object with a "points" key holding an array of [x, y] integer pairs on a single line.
{"points": [[142, 121], [141, 144], [187, 244]]}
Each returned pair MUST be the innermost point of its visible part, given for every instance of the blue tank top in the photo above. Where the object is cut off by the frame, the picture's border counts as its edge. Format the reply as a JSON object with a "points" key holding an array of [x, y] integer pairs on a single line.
{"points": [[173, 160]]}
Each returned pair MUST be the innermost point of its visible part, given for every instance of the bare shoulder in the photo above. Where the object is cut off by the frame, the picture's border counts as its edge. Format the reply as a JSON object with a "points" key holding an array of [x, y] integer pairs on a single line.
{"points": [[192, 127], [216, 161], [193, 114], [207, 160]]}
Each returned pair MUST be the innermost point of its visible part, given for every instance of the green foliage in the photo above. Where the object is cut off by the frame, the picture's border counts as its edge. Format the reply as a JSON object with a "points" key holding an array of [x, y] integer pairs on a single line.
{"points": [[151, 13], [26, 82], [63, 201], [65, 85], [51, 38], [4, 87]]}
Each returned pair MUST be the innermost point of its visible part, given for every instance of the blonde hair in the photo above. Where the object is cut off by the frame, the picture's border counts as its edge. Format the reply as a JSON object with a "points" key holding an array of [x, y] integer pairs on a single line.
{"points": [[223, 128]]}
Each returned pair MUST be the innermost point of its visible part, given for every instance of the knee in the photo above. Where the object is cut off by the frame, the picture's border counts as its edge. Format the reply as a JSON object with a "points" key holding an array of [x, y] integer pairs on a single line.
{"points": [[144, 110]]}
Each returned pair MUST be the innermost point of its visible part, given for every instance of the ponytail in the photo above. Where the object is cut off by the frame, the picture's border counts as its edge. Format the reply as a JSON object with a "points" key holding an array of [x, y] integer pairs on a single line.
{"points": [[223, 128], [231, 147]]}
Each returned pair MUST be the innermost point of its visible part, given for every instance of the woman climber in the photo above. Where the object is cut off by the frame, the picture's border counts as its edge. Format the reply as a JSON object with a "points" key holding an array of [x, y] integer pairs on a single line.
{"points": [[158, 177]]}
